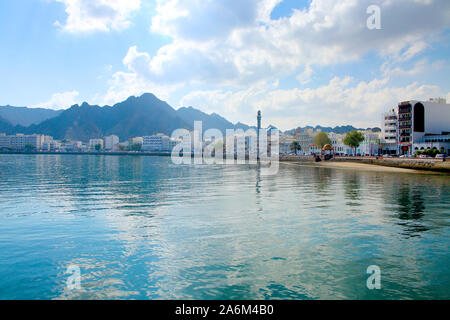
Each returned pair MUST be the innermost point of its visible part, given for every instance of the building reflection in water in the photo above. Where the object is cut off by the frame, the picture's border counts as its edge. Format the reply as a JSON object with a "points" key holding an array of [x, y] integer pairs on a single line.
{"points": [[411, 211]]}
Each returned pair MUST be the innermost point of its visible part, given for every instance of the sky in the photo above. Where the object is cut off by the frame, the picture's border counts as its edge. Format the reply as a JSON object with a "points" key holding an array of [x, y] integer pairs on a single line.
{"points": [[301, 62]]}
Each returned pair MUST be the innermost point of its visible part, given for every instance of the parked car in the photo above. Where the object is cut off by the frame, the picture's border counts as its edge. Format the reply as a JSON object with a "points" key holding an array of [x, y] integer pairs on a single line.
{"points": [[440, 156]]}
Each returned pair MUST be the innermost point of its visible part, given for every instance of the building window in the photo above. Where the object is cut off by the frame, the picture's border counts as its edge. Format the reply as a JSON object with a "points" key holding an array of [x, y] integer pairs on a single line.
{"points": [[419, 118]]}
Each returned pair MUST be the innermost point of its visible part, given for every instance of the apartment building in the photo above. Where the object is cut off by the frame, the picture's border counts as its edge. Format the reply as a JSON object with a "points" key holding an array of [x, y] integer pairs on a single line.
{"points": [[418, 120], [389, 129], [156, 143], [21, 141], [93, 143], [112, 143]]}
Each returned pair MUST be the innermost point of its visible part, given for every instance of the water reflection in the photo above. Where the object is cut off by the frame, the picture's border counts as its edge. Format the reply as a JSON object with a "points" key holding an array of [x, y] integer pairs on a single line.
{"points": [[142, 227]]}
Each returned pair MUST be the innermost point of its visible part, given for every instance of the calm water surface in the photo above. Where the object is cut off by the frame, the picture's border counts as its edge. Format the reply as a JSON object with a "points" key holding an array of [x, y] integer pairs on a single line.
{"points": [[143, 228]]}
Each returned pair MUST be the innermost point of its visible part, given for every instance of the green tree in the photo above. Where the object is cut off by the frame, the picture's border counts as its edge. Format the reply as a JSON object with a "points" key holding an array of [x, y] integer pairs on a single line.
{"points": [[321, 139], [29, 148], [136, 147], [98, 147], [354, 139], [295, 146]]}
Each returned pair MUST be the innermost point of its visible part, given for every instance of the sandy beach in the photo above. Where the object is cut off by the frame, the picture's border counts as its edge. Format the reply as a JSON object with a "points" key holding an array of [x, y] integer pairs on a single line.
{"points": [[357, 166]]}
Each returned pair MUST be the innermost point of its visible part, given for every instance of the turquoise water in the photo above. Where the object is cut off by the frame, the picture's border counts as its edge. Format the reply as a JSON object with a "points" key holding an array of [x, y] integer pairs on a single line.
{"points": [[143, 228]]}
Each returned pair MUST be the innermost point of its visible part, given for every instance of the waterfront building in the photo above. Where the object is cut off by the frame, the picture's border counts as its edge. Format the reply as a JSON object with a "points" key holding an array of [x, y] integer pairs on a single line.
{"points": [[4, 141], [389, 144], [337, 142], [371, 144], [21, 141], [135, 140], [286, 142], [157, 143], [111, 143], [418, 120], [306, 139], [93, 143], [50, 144], [434, 141]]}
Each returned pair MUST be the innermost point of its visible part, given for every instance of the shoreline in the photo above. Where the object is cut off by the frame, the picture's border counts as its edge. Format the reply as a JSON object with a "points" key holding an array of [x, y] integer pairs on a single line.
{"points": [[389, 164], [405, 165]]}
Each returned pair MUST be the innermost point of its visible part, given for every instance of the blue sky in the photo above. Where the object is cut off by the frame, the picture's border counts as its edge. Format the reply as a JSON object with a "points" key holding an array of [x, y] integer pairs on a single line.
{"points": [[301, 62]]}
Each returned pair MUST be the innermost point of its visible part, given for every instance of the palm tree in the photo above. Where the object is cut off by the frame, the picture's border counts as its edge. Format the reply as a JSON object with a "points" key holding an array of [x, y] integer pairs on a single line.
{"points": [[295, 146]]}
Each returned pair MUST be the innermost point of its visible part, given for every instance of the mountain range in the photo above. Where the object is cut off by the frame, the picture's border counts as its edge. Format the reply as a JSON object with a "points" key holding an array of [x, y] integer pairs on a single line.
{"points": [[27, 116], [136, 116]]}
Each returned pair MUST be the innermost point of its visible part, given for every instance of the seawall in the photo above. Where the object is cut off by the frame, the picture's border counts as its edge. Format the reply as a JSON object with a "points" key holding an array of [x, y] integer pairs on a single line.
{"points": [[405, 163]]}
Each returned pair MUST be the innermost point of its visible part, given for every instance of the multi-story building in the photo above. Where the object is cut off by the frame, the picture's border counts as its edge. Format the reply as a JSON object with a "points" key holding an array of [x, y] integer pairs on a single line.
{"points": [[337, 141], [111, 143], [434, 141], [286, 143], [21, 141], [159, 143], [50, 145], [371, 144], [135, 140], [4, 141], [418, 119], [389, 144], [93, 143]]}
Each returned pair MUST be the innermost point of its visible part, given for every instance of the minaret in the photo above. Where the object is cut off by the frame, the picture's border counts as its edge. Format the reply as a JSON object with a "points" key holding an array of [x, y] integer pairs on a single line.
{"points": [[257, 133]]}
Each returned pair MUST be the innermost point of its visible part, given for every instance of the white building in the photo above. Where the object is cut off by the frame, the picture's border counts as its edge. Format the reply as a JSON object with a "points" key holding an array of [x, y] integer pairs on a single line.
{"points": [[419, 119], [156, 143], [337, 141], [389, 142], [371, 144], [21, 141], [135, 140], [50, 145], [111, 143], [93, 143]]}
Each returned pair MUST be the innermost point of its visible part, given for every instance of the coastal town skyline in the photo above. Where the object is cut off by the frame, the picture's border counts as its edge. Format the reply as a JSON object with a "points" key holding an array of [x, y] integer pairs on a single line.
{"points": [[286, 57]]}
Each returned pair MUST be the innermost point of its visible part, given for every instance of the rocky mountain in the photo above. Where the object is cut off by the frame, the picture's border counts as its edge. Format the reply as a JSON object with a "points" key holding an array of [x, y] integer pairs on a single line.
{"points": [[5, 126], [136, 116], [24, 116]]}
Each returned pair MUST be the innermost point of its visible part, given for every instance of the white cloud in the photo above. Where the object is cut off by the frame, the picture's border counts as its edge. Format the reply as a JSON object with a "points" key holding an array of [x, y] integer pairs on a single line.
{"points": [[236, 43], [126, 84], [337, 103], [59, 101], [97, 15]]}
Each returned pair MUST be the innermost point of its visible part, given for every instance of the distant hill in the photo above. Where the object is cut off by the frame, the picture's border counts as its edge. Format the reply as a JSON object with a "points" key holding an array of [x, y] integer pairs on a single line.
{"points": [[5, 126], [26, 116], [338, 129], [137, 116]]}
